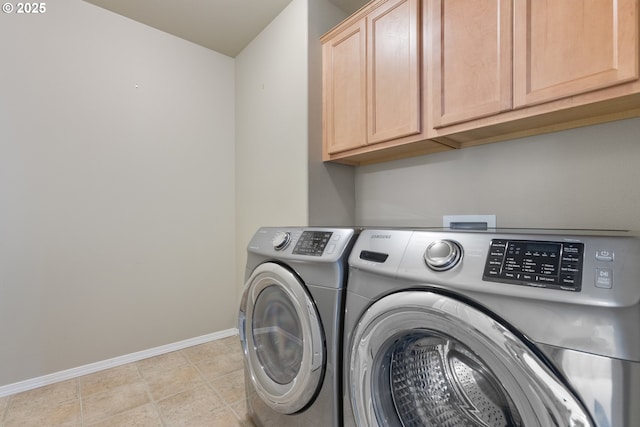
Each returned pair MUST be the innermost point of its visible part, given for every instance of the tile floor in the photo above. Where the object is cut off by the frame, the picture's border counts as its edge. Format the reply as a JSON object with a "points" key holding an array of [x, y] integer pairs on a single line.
{"points": [[197, 386]]}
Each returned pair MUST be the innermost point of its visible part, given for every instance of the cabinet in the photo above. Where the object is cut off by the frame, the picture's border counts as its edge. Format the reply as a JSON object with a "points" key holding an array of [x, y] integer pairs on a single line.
{"points": [[568, 48], [504, 68], [410, 77], [345, 88], [393, 71], [373, 84], [470, 59]]}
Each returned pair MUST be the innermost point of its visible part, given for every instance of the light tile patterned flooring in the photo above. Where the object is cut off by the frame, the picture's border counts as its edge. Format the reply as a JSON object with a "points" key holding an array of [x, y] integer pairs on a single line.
{"points": [[197, 386]]}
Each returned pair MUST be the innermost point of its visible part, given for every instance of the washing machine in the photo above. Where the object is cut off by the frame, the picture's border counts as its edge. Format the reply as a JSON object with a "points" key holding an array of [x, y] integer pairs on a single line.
{"points": [[290, 323], [493, 328]]}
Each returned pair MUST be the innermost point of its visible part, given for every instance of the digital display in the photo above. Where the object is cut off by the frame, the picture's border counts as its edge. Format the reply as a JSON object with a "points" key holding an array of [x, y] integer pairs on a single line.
{"points": [[312, 243], [543, 247]]}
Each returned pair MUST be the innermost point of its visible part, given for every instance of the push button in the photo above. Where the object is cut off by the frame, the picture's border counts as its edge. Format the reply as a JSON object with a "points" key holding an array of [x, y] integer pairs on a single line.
{"points": [[604, 255], [493, 271], [494, 262], [604, 278]]}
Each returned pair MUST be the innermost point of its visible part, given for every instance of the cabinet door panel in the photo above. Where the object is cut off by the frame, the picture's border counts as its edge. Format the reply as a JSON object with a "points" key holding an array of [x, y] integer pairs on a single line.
{"points": [[471, 59], [345, 90], [564, 48], [394, 58]]}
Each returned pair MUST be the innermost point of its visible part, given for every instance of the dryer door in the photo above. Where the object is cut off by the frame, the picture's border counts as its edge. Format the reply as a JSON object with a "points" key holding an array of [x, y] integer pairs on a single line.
{"points": [[282, 338], [424, 359]]}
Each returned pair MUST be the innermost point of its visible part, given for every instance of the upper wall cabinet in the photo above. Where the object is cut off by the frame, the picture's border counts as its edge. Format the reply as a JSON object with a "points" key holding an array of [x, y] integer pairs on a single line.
{"points": [[393, 71], [565, 48], [373, 85], [502, 68], [345, 89], [470, 58], [408, 77]]}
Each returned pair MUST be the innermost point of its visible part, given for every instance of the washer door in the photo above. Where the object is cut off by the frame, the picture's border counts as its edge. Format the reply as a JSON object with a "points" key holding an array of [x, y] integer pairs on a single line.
{"points": [[424, 359], [282, 338]]}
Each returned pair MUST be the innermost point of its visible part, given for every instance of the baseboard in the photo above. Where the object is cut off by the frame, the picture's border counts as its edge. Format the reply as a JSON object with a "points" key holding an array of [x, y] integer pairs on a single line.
{"points": [[55, 377]]}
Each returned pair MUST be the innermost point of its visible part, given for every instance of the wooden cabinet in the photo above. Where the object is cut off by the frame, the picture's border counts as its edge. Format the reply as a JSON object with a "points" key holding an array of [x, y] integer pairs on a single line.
{"points": [[503, 69], [393, 71], [373, 89], [565, 48], [470, 59], [410, 77], [345, 89]]}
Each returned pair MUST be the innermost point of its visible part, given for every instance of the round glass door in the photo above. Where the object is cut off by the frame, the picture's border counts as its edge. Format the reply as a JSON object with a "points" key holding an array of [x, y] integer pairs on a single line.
{"points": [[282, 339], [424, 359], [277, 335]]}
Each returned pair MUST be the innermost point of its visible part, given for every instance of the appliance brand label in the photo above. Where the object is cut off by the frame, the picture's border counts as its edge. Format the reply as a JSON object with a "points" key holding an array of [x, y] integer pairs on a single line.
{"points": [[381, 236]]}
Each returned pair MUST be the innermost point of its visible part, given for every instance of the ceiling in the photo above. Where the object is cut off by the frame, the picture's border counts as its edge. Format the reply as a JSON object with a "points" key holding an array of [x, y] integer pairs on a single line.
{"points": [[225, 26]]}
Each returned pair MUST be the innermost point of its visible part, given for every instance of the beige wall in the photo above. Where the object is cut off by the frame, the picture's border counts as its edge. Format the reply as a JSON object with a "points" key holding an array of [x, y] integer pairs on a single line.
{"points": [[331, 185], [271, 129], [580, 178], [134, 168], [280, 179], [116, 201]]}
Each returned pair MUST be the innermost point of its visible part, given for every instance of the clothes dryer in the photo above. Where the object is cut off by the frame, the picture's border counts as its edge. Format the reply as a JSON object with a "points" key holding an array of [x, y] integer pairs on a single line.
{"points": [[290, 321], [493, 328]]}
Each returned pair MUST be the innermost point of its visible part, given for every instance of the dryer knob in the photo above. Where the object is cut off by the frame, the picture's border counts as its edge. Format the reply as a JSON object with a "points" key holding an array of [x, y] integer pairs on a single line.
{"points": [[281, 240], [443, 255]]}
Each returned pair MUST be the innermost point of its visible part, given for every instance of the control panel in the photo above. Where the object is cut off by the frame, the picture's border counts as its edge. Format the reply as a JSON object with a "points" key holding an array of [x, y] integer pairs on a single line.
{"points": [[556, 265], [312, 243]]}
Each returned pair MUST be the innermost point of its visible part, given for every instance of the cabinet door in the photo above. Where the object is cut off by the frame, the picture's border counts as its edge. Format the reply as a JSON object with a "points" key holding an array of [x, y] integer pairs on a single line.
{"points": [[394, 65], [471, 45], [564, 48], [344, 89]]}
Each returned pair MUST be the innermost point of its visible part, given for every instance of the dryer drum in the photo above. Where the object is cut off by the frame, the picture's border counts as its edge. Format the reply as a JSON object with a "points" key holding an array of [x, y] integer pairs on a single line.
{"points": [[438, 381], [425, 359]]}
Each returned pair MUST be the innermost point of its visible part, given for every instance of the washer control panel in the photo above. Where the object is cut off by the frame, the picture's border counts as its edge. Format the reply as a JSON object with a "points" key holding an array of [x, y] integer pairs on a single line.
{"points": [[312, 243], [555, 265]]}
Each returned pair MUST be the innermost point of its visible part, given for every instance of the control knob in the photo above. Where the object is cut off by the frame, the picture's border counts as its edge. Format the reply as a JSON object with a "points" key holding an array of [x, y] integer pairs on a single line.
{"points": [[442, 255], [281, 240]]}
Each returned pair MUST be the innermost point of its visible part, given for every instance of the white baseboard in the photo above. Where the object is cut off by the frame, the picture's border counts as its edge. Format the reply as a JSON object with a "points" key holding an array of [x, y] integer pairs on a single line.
{"points": [[55, 377]]}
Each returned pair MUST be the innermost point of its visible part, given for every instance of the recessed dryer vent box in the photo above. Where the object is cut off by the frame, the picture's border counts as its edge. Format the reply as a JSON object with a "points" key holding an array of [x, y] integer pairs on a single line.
{"points": [[469, 222]]}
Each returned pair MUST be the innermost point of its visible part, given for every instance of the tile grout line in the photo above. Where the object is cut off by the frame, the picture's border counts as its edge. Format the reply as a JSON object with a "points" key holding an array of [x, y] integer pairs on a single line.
{"points": [[81, 403], [4, 412], [211, 387], [238, 348], [150, 396], [225, 404], [207, 383]]}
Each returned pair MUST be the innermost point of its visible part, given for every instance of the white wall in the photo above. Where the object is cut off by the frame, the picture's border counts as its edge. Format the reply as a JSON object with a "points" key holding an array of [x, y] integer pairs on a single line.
{"points": [[580, 178], [116, 201]]}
